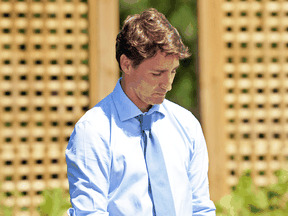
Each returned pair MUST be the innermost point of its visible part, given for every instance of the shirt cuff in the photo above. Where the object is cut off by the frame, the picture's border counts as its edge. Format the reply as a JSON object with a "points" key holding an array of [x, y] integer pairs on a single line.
{"points": [[71, 212]]}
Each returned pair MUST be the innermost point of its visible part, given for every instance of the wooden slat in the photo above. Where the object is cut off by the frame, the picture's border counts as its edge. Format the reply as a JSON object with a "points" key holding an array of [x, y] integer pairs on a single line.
{"points": [[103, 29], [211, 92]]}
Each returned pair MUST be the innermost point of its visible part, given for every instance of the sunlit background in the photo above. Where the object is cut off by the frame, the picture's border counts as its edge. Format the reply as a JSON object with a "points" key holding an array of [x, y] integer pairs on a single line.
{"points": [[57, 60]]}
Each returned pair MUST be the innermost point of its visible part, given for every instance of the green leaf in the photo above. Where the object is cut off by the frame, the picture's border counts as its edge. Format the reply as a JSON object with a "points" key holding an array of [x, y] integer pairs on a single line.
{"points": [[55, 202], [282, 176], [262, 200], [237, 203], [185, 21], [219, 209], [226, 201]]}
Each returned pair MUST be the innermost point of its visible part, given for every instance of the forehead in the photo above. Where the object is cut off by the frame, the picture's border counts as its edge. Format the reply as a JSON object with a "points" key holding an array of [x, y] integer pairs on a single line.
{"points": [[161, 61]]}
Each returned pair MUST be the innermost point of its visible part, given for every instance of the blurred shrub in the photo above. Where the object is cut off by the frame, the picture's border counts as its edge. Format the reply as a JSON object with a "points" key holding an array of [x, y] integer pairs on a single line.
{"points": [[56, 202], [4, 210], [247, 199]]}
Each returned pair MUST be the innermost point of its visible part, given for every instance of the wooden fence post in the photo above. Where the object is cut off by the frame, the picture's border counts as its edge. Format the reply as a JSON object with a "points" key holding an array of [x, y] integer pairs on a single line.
{"points": [[211, 83], [103, 29]]}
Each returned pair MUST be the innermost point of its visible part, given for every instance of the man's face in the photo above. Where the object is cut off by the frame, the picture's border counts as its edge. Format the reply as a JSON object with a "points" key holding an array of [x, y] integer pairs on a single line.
{"points": [[152, 79]]}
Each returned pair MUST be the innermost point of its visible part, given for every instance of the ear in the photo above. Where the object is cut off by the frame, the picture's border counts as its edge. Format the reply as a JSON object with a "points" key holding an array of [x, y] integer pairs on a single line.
{"points": [[126, 64]]}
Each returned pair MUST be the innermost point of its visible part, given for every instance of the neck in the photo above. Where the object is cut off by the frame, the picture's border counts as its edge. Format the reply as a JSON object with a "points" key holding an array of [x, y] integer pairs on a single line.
{"points": [[130, 93]]}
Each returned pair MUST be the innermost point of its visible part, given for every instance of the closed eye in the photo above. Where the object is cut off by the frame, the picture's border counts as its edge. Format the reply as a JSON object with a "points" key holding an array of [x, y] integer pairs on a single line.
{"points": [[156, 74]]}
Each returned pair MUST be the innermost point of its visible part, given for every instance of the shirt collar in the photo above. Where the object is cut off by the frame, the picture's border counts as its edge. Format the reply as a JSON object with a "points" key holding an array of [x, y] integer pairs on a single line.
{"points": [[126, 108]]}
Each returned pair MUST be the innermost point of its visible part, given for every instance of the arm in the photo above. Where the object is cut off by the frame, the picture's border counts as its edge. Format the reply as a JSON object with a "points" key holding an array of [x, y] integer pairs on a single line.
{"points": [[198, 176], [88, 164]]}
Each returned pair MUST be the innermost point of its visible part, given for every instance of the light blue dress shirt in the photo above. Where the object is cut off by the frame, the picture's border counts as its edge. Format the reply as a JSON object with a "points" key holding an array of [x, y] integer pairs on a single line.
{"points": [[106, 166]]}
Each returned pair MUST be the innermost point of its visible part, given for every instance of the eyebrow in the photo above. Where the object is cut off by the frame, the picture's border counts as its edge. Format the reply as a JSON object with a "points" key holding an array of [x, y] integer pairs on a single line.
{"points": [[162, 71]]}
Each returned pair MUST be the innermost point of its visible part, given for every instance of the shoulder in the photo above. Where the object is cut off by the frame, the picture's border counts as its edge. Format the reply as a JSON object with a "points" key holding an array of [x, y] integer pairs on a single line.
{"points": [[186, 123], [99, 113], [182, 115], [97, 119], [91, 133]]}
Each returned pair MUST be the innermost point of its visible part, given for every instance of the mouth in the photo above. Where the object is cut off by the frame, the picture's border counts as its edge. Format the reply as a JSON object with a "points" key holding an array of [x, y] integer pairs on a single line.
{"points": [[160, 94]]}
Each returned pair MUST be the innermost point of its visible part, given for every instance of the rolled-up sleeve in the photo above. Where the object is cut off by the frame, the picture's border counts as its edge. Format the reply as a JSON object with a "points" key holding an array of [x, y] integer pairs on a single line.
{"points": [[198, 176], [88, 164]]}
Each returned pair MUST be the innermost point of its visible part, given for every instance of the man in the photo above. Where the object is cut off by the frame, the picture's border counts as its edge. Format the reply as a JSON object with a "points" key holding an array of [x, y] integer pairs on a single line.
{"points": [[136, 153]]}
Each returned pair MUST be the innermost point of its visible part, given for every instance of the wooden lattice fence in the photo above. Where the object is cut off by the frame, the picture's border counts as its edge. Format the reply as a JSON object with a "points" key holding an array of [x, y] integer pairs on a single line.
{"points": [[46, 85], [43, 91], [243, 54]]}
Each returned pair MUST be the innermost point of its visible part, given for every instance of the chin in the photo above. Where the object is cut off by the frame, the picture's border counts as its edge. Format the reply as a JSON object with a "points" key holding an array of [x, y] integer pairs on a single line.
{"points": [[152, 100], [158, 101]]}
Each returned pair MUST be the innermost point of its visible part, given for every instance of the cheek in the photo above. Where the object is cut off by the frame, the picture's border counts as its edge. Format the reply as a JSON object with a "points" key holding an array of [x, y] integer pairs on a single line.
{"points": [[148, 86]]}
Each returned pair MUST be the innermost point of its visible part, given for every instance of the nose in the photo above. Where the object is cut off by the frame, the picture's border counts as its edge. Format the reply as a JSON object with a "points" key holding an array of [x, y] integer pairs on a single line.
{"points": [[166, 81]]}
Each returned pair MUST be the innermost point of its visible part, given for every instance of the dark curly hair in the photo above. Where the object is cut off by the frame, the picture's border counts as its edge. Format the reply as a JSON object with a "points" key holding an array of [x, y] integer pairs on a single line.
{"points": [[142, 35]]}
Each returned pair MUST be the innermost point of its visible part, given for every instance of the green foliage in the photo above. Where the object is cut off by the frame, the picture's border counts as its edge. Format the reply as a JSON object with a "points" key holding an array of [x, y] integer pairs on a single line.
{"points": [[4, 210], [247, 199], [185, 21], [56, 202]]}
